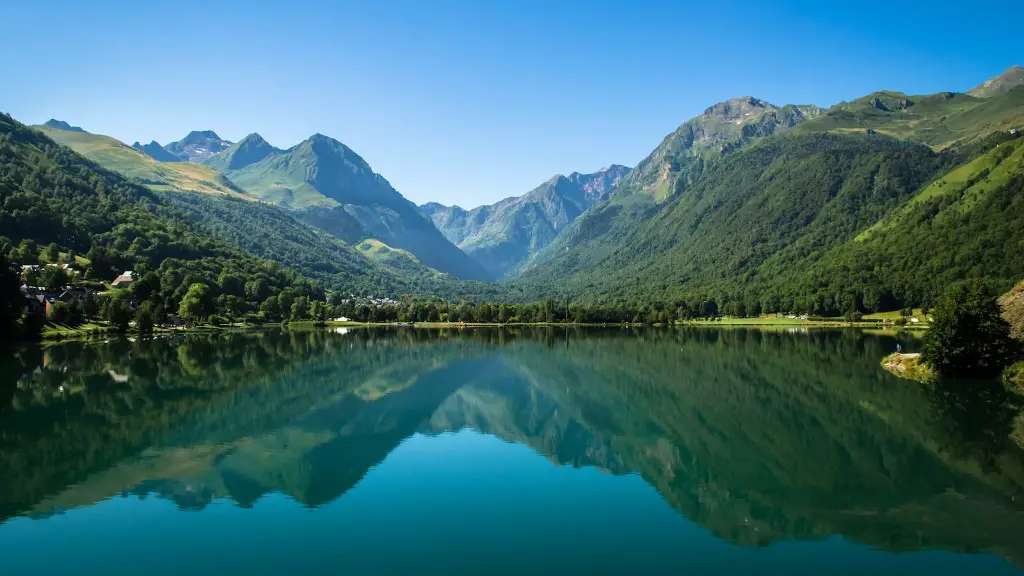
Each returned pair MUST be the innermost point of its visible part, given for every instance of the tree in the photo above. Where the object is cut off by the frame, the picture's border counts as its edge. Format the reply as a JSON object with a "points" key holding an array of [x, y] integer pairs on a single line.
{"points": [[300, 308], [30, 277], [51, 253], [54, 278], [144, 318], [318, 310], [231, 284], [969, 337], [11, 301], [59, 313], [117, 314], [196, 306]]}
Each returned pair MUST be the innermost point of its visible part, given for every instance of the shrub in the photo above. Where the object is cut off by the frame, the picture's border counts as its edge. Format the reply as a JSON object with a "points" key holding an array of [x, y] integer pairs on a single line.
{"points": [[969, 337]]}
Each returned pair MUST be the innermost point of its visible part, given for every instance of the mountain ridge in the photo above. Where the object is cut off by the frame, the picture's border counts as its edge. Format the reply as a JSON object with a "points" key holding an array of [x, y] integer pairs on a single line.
{"points": [[330, 186], [504, 235]]}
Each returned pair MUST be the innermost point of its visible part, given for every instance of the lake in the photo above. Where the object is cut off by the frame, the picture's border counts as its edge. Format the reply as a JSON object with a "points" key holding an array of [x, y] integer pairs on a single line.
{"points": [[498, 451]]}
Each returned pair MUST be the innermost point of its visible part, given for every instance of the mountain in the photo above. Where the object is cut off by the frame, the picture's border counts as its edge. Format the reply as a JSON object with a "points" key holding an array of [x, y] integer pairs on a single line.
{"points": [[877, 204], [251, 149], [225, 211], [134, 163], [678, 162], [51, 194], [502, 236], [61, 125], [197, 146], [326, 184], [155, 151], [1008, 80], [938, 120], [598, 184]]}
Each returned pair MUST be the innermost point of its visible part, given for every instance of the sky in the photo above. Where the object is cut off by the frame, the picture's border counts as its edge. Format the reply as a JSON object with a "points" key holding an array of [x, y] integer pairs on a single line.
{"points": [[467, 102]]}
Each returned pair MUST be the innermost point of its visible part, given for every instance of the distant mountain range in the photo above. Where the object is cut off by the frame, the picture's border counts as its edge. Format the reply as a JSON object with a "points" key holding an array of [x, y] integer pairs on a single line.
{"points": [[501, 237]]}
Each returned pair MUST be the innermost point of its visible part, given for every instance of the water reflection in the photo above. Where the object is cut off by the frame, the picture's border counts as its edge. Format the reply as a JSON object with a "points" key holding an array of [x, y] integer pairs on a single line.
{"points": [[758, 436]]}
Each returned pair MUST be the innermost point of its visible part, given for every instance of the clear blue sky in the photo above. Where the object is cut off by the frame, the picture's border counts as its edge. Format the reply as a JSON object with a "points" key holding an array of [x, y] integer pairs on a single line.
{"points": [[469, 102]]}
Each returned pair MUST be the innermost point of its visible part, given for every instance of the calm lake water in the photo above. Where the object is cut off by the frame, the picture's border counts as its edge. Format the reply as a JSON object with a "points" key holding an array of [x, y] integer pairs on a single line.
{"points": [[493, 451]]}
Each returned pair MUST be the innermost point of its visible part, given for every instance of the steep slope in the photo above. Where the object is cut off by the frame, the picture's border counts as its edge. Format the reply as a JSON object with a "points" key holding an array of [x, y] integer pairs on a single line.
{"points": [[967, 224], [1008, 80], [226, 212], [673, 166], [155, 151], [328, 185], [633, 246], [775, 204], [143, 168], [50, 194], [502, 236]]}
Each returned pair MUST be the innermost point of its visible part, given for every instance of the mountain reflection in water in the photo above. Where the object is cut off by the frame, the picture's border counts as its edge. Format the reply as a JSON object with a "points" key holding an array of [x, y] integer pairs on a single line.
{"points": [[756, 436]]}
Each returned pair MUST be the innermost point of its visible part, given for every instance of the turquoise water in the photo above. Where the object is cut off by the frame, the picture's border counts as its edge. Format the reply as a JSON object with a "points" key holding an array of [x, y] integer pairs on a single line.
{"points": [[701, 451]]}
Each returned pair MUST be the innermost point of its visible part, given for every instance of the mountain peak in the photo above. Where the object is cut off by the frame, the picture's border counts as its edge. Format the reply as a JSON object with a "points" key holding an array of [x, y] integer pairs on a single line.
{"points": [[197, 146], [249, 150], [1008, 80], [735, 108], [62, 125], [198, 136], [253, 139], [156, 152]]}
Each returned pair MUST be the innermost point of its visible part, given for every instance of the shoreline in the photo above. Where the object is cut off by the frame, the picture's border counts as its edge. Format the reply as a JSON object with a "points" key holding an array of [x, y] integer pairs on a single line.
{"points": [[95, 330]]}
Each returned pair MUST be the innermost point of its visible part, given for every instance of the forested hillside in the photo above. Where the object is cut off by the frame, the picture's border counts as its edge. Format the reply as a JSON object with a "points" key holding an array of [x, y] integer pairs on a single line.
{"points": [[678, 162], [224, 210], [53, 197], [780, 224]]}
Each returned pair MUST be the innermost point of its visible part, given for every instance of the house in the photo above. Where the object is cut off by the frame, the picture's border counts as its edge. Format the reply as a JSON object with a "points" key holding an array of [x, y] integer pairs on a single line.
{"points": [[37, 301], [342, 319], [124, 280], [74, 295]]}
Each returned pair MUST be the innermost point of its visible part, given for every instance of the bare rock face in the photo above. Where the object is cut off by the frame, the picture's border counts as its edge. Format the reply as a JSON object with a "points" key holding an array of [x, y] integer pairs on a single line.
{"points": [[197, 146]]}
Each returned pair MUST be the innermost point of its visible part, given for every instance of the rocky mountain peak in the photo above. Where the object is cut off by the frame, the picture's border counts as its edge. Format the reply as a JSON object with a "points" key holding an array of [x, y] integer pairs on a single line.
{"points": [[62, 125], [736, 108], [1008, 80], [197, 146]]}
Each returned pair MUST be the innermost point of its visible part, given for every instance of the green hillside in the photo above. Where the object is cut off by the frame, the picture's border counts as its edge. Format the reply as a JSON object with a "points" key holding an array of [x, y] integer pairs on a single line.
{"points": [[327, 181], [938, 120], [135, 164], [51, 195], [873, 205], [768, 207], [221, 208], [677, 163], [967, 224]]}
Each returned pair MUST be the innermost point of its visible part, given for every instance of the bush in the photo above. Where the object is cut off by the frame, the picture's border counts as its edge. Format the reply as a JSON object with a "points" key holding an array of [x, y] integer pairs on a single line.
{"points": [[969, 337]]}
